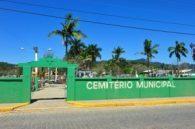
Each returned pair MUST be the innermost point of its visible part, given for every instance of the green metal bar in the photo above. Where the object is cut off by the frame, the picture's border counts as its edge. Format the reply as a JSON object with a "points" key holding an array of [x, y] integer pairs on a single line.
{"points": [[36, 83]]}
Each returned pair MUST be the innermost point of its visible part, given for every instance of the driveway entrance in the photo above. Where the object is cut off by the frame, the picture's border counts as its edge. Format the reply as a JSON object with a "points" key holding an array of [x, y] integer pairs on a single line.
{"points": [[52, 91], [50, 97]]}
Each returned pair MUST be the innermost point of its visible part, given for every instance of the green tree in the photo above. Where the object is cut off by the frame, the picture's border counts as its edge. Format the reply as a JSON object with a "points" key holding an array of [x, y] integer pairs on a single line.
{"points": [[93, 51], [149, 51], [178, 50], [85, 60], [76, 48], [69, 32], [117, 52]]}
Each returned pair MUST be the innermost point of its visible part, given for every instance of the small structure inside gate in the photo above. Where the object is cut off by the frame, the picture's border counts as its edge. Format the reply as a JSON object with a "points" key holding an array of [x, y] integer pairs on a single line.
{"points": [[17, 90]]}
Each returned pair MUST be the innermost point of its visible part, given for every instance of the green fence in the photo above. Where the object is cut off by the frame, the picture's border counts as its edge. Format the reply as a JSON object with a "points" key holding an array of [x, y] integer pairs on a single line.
{"points": [[127, 88]]}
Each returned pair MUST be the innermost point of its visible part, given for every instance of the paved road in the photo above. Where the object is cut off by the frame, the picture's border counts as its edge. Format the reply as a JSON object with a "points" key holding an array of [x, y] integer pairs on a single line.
{"points": [[157, 117]]}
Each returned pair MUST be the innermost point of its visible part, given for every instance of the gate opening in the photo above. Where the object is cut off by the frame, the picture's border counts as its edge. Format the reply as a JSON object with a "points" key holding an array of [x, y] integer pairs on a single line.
{"points": [[49, 78]]}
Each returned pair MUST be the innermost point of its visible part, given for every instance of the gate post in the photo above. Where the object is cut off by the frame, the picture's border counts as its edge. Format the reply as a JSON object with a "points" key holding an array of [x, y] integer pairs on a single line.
{"points": [[70, 83], [27, 83]]}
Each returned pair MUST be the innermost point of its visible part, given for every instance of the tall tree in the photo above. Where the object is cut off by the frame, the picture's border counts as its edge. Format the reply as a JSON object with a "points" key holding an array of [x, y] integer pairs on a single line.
{"points": [[84, 60], [68, 32], [117, 52], [178, 50], [94, 51], [76, 48], [149, 51], [192, 46]]}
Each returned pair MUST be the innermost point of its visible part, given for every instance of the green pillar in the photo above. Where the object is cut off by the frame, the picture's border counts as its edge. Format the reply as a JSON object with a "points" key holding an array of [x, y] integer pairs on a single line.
{"points": [[27, 83], [70, 83], [36, 83]]}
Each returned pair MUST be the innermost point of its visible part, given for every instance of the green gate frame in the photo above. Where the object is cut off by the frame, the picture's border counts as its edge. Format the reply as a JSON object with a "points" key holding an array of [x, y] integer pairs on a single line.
{"points": [[50, 63]]}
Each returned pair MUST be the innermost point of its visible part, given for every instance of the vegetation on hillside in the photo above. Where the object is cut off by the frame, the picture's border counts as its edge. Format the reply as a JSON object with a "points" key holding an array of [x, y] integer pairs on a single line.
{"points": [[8, 69]]}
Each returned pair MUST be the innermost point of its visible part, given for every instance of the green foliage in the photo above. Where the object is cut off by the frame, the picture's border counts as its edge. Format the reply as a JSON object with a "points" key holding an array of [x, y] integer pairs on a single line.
{"points": [[149, 51], [68, 32], [117, 52], [178, 50], [8, 69], [93, 51], [128, 70], [76, 48]]}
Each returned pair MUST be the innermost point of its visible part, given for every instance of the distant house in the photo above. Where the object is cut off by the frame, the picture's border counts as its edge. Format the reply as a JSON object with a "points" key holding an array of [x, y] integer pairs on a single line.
{"points": [[186, 72], [157, 73], [86, 74]]}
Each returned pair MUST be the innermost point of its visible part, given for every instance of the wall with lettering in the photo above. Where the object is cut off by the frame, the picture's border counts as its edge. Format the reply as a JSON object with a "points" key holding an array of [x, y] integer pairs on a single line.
{"points": [[113, 88]]}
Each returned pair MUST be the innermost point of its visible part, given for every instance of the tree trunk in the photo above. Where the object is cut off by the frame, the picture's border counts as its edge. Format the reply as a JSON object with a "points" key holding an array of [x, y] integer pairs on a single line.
{"points": [[148, 63], [56, 74], [178, 67], [66, 52], [66, 48]]}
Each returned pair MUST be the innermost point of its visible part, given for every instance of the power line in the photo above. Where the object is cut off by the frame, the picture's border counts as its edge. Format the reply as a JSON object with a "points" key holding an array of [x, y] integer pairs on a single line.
{"points": [[99, 23], [100, 14]]}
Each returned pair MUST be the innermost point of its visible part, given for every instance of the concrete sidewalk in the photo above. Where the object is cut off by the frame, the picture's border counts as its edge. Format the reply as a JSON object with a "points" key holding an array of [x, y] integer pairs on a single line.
{"points": [[50, 92], [132, 102], [50, 104], [56, 104]]}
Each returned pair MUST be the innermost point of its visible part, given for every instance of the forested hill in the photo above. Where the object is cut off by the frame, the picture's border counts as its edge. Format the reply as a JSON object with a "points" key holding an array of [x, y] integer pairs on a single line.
{"points": [[139, 65], [7, 69]]}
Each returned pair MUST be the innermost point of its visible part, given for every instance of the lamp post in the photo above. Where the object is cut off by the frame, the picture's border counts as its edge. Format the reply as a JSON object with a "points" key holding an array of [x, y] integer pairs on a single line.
{"points": [[36, 58], [50, 54]]}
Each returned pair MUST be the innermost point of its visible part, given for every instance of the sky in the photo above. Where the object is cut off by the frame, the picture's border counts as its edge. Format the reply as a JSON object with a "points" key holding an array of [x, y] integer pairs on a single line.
{"points": [[25, 31]]}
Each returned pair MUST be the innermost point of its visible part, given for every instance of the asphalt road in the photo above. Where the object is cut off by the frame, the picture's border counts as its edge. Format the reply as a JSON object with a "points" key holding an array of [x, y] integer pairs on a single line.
{"points": [[156, 117]]}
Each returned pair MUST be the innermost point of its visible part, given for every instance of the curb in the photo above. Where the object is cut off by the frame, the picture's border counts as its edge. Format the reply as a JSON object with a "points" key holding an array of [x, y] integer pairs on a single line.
{"points": [[39, 109], [11, 108], [131, 103]]}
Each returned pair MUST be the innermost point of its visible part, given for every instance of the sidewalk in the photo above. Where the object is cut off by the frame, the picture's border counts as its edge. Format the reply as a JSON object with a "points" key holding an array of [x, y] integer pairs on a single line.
{"points": [[44, 104], [132, 102], [56, 104], [11, 106]]}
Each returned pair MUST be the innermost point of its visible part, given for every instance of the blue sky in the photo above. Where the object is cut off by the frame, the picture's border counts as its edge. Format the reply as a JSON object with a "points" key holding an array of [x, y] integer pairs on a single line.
{"points": [[23, 30]]}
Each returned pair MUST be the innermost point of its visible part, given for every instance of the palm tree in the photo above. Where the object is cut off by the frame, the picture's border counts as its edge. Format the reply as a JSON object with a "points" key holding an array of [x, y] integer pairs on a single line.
{"points": [[68, 32], [149, 51], [94, 51], [77, 48], [117, 52], [84, 60], [179, 50], [192, 46]]}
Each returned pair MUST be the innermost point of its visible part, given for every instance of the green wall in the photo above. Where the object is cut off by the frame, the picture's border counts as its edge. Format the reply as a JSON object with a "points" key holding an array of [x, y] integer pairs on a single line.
{"points": [[13, 90], [115, 88], [17, 90]]}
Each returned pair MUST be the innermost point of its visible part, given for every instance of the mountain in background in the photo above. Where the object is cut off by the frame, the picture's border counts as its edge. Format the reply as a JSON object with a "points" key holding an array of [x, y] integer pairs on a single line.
{"points": [[8, 69]]}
